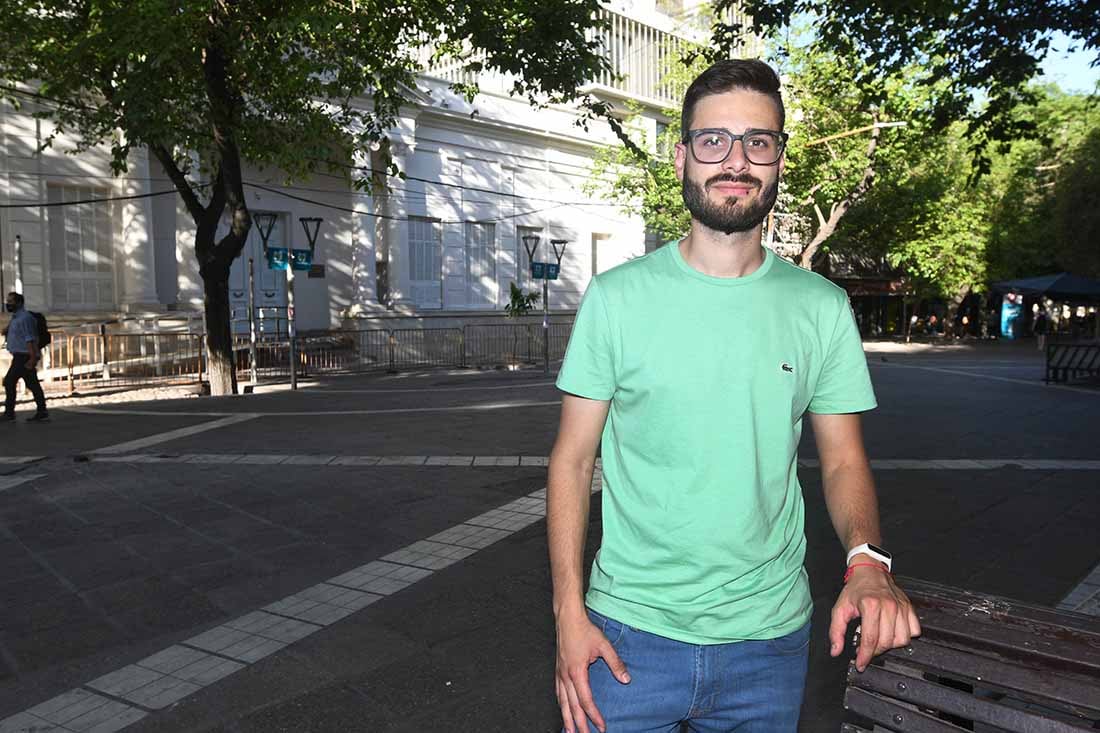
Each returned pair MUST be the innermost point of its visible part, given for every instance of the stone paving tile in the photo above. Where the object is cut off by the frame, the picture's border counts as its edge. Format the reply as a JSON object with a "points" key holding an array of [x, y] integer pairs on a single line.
{"points": [[308, 460], [207, 670], [262, 459], [162, 692], [501, 519], [449, 461], [538, 461], [107, 719], [175, 657], [68, 706], [236, 644], [430, 555], [354, 461], [272, 626], [215, 458], [527, 505], [27, 723], [125, 680], [540, 494], [469, 535], [496, 461], [402, 461]]}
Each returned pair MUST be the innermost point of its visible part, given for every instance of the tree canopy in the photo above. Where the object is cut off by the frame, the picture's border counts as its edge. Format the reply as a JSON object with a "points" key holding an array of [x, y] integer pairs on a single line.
{"points": [[293, 85], [985, 51]]}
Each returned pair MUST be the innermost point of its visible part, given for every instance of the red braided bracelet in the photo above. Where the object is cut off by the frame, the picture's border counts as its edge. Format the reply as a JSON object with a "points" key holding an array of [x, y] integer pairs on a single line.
{"points": [[880, 566]]}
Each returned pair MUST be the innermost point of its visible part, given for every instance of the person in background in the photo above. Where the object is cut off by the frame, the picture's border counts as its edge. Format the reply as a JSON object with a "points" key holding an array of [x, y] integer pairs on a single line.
{"points": [[22, 337]]}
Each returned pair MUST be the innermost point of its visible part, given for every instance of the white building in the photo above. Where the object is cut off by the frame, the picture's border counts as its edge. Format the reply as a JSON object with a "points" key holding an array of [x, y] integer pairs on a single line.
{"points": [[445, 242]]}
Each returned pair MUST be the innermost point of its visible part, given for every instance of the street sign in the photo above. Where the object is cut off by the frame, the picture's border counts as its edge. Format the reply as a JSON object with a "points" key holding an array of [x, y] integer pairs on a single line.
{"points": [[301, 259], [538, 270], [277, 258], [552, 271]]}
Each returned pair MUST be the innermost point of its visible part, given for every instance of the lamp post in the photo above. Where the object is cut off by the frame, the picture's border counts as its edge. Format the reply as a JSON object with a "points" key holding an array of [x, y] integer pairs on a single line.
{"points": [[310, 225], [559, 253], [265, 222]]}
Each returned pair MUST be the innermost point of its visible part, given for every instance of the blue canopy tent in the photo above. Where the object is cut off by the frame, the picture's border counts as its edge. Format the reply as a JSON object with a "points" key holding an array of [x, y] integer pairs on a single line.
{"points": [[1063, 286]]}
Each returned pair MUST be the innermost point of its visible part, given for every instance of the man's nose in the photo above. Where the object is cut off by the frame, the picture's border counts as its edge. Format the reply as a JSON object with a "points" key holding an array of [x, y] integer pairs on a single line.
{"points": [[736, 160]]}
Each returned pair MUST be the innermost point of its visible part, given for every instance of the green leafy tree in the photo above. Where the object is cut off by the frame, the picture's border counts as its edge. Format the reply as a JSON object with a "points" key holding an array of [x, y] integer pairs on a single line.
{"points": [[984, 51], [1076, 212], [1036, 188], [210, 87], [519, 304]]}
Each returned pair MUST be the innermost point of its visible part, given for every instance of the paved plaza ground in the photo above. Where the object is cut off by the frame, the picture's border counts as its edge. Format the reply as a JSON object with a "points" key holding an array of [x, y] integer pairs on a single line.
{"points": [[369, 553]]}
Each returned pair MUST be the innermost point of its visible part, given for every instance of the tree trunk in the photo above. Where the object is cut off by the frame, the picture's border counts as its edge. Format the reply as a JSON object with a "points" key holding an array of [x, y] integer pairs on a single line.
{"points": [[220, 360], [953, 310]]}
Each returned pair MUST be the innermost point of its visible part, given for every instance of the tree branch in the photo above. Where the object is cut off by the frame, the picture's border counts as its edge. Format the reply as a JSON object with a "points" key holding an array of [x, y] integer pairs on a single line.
{"points": [[194, 206]]}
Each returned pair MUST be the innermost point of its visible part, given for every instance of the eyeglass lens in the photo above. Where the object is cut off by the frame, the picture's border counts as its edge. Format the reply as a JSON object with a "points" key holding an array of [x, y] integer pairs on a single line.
{"points": [[713, 146]]}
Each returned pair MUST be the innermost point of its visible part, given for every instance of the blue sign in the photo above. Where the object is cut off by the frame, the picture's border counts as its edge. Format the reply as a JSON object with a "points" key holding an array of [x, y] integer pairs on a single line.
{"points": [[301, 259], [1010, 315], [277, 258], [538, 270], [552, 271]]}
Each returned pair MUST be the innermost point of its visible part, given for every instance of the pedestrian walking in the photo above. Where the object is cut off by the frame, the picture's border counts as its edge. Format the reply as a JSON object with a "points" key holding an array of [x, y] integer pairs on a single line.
{"points": [[22, 341], [1039, 328], [694, 365]]}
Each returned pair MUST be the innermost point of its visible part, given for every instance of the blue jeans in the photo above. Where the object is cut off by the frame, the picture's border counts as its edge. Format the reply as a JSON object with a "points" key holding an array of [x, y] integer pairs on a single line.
{"points": [[746, 686]]}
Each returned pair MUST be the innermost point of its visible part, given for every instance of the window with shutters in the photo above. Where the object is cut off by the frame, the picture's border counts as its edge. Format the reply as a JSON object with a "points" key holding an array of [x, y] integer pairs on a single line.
{"points": [[81, 261], [426, 261], [481, 264]]}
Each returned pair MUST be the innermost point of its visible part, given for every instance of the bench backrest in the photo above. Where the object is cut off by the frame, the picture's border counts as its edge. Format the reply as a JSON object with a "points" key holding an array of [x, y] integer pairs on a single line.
{"points": [[982, 663]]}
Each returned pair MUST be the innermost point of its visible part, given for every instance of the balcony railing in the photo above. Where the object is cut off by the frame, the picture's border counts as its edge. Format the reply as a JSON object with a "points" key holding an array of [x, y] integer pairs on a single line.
{"points": [[640, 56]]}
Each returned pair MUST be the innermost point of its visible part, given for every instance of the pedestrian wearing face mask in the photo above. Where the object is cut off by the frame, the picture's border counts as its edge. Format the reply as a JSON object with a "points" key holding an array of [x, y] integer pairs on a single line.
{"points": [[22, 339]]}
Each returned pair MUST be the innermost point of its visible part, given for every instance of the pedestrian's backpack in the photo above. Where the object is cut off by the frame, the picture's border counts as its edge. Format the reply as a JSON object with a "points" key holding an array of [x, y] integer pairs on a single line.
{"points": [[44, 337]]}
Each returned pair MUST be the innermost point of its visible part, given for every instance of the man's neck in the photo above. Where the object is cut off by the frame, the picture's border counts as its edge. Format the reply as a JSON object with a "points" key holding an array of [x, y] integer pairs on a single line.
{"points": [[722, 255]]}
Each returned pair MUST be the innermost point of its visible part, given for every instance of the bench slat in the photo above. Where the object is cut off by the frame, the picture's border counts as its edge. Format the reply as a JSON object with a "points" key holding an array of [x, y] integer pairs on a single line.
{"points": [[1072, 693], [926, 694], [1018, 609], [882, 710]]}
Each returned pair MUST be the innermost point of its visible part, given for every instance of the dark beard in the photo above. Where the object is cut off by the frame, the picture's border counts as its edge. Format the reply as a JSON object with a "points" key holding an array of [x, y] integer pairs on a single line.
{"points": [[731, 216]]}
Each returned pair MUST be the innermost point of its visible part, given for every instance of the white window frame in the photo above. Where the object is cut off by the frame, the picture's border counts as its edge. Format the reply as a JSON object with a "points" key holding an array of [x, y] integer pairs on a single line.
{"points": [[425, 259], [80, 249], [489, 255]]}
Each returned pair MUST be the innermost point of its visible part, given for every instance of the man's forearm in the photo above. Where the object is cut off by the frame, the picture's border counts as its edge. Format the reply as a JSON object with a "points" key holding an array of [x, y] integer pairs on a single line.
{"points": [[852, 504], [568, 494]]}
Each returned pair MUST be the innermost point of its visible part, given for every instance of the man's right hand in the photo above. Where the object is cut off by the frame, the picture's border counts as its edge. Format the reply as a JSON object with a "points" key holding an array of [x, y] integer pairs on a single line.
{"points": [[580, 644]]}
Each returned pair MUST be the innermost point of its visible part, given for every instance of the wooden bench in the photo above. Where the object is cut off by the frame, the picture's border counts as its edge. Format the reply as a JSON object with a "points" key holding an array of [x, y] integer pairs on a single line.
{"points": [[982, 663], [1067, 361]]}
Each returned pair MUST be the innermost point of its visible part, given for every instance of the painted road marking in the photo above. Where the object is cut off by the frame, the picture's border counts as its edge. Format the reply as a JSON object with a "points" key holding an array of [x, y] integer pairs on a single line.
{"points": [[1029, 382], [20, 459], [878, 464], [9, 482], [174, 434], [316, 413]]}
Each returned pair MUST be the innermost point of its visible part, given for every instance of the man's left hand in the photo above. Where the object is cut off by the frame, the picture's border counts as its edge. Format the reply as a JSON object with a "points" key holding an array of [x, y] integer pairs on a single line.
{"points": [[887, 618]]}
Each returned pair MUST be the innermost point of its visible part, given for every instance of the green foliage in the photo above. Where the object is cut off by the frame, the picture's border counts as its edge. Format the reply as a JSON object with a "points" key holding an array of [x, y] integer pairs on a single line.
{"points": [[296, 71], [1076, 212], [984, 51], [519, 302]]}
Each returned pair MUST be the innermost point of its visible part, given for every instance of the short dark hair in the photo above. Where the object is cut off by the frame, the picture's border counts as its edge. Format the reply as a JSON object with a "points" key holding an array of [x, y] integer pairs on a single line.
{"points": [[17, 297], [730, 74]]}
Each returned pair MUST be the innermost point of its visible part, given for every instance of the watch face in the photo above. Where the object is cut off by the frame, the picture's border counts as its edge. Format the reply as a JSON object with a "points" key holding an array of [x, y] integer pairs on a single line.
{"points": [[879, 550]]}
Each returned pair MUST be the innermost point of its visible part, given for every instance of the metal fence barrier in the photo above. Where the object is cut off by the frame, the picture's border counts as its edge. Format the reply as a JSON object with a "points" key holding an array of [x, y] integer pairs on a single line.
{"points": [[87, 360], [96, 360]]}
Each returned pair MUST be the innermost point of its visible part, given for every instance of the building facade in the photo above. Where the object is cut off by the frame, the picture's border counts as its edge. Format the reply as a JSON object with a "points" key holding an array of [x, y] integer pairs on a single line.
{"points": [[86, 246]]}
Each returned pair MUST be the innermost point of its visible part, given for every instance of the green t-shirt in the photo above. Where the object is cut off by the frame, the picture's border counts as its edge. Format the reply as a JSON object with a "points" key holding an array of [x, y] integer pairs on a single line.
{"points": [[708, 378]]}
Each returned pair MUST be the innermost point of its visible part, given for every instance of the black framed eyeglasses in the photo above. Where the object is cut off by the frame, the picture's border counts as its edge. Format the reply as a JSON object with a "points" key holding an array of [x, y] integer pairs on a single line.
{"points": [[714, 144]]}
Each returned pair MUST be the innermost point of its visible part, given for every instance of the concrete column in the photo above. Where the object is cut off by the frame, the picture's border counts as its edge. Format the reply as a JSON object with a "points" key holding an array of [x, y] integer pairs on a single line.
{"points": [[135, 252], [364, 297]]}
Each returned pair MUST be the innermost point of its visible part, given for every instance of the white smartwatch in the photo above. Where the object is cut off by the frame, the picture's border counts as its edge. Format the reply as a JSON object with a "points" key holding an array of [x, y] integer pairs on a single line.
{"points": [[873, 551]]}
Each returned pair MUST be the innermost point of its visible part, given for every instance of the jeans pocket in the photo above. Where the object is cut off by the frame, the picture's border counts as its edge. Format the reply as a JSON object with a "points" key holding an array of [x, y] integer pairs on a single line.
{"points": [[612, 629], [795, 642]]}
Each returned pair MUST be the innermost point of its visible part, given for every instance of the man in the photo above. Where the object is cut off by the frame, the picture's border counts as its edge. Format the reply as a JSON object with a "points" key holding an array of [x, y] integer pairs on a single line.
{"points": [[695, 364], [22, 338]]}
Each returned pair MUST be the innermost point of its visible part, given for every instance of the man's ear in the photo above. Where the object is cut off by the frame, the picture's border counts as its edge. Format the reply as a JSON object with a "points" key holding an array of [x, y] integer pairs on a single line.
{"points": [[680, 160]]}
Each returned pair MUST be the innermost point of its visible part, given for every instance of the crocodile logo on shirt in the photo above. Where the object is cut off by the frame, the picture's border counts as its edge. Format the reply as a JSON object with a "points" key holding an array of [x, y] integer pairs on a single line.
{"points": [[787, 367]]}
